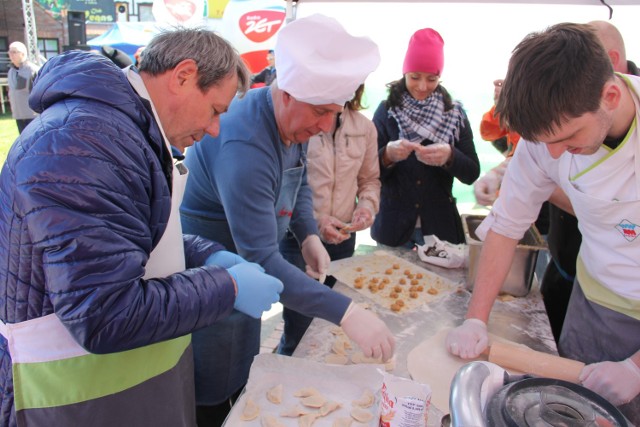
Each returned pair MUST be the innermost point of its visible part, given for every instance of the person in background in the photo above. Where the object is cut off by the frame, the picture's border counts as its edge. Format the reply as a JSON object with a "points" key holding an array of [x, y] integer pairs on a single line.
{"points": [[613, 43], [249, 185], [268, 74], [118, 57], [579, 133], [98, 281], [343, 174], [425, 141], [20, 79], [138, 56], [502, 139], [491, 130]]}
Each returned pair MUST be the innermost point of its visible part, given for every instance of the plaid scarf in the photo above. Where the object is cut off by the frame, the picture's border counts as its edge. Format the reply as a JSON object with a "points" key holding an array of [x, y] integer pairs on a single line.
{"points": [[419, 120]]}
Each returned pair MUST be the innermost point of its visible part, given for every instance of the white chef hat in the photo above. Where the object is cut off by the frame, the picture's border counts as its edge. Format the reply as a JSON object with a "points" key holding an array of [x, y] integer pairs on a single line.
{"points": [[318, 62]]}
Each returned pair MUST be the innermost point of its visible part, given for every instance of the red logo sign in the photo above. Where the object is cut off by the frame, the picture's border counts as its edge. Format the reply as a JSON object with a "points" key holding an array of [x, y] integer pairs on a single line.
{"points": [[260, 25]]}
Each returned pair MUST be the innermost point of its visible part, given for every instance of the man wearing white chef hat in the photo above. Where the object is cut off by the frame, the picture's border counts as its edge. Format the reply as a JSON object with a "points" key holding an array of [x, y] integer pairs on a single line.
{"points": [[248, 186]]}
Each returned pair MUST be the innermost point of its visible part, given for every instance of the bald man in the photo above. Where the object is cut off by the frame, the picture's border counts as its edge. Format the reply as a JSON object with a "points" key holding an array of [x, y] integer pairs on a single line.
{"points": [[613, 43]]}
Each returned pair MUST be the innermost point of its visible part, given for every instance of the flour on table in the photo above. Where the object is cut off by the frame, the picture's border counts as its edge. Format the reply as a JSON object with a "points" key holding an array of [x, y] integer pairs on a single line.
{"points": [[430, 363]]}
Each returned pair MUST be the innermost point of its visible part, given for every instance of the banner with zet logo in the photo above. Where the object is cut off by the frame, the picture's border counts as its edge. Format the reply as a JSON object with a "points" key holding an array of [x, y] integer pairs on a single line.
{"points": [[251, 26]]}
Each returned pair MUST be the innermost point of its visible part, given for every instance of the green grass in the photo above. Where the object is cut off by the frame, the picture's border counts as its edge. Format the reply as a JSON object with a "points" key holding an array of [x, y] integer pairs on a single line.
{"points": [[8, 134]]}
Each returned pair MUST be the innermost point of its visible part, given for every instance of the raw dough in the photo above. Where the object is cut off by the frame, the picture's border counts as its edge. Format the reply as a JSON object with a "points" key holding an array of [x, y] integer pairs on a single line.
{"points": [[294, 412], [314, 401], [274, 395], [329, 407], [340, 346], [359, 357], [270, 421], [430, 363], [251, 410], [307, 420], [342, 422], [306, 392], [361, 415], [336, 359], [366, 400]]}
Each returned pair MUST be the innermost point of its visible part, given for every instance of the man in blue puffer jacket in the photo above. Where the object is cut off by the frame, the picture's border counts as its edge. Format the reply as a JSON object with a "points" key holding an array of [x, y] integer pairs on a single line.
{"points": [[99, 289]]}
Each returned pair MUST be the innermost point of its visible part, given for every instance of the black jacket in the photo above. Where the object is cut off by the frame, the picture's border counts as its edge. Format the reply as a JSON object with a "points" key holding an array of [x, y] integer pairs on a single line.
{"points": [[411, 188]]}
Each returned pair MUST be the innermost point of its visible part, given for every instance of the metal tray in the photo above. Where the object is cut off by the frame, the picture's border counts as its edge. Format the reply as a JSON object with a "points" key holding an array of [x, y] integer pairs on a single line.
{"points": [[520, 277]]}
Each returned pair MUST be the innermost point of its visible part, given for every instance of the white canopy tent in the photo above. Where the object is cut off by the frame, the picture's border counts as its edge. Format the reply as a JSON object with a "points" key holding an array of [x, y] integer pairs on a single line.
{"points": [[479, 37]]}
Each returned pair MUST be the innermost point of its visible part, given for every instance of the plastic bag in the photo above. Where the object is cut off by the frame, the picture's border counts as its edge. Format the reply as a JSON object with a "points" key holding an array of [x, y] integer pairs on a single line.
{"points": [[442, 253]]}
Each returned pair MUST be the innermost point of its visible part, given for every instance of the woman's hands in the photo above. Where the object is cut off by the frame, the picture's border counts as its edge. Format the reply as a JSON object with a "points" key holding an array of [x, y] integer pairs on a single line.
{"points": [[434, 154], [438, 154]]}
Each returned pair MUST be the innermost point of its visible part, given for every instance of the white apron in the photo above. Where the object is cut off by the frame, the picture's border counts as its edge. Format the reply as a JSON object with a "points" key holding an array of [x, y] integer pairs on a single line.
{"points": [[56, 380], [603, 317], [605, 196]]}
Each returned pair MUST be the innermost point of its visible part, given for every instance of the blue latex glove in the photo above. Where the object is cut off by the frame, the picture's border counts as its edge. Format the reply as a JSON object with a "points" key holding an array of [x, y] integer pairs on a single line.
{"points": [[225, 259], [256, 290]]}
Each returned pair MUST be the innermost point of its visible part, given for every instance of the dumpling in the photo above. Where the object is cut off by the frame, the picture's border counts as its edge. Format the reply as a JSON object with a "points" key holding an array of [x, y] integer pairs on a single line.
{"points": [[251, 410], [314, 401], [336, 359], [329, 407], [274, 394], [366, 400], [294, 412], [305, 392], [361, 415], [342, 422], [270, 421], [358, 358], [307, 420]]}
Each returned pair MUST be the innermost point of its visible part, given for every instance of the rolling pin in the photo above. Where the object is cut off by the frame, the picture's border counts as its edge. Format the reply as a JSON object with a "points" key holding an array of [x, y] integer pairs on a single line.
{"points": [[528, 361]]}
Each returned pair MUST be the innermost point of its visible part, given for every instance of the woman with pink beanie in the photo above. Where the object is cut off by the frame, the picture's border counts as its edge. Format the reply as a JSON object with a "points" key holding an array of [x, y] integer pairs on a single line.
{"points": [[424, 141]]}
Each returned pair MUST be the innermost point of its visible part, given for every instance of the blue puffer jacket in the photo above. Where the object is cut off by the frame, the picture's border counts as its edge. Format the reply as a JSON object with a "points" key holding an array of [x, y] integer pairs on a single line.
{"points": [[84, 198]]}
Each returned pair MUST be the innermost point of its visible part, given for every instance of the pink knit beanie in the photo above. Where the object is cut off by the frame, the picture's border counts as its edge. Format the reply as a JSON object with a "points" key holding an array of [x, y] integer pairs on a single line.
{"points": [[425, 53]]}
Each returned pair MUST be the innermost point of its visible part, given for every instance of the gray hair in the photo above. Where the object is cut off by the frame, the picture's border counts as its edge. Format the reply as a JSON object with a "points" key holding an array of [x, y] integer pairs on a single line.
{"points": [[215, 57], [19, 46]]}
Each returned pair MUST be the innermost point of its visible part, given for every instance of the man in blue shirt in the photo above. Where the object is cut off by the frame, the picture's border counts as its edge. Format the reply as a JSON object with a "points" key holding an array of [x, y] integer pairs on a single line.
{"points": [[248, 186]]}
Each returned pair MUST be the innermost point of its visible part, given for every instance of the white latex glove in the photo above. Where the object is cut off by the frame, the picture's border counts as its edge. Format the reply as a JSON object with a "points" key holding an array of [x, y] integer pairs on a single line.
{"points": [[369, 332], [315, 256], [486, 188], [618, 382], [399, 150], [468, 340], [362, 219], [330, 229], [434, 154]]}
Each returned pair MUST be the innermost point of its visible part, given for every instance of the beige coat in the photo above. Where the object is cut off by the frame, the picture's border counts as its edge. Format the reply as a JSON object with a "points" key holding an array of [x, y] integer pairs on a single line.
{"points": [[344, 168]]}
